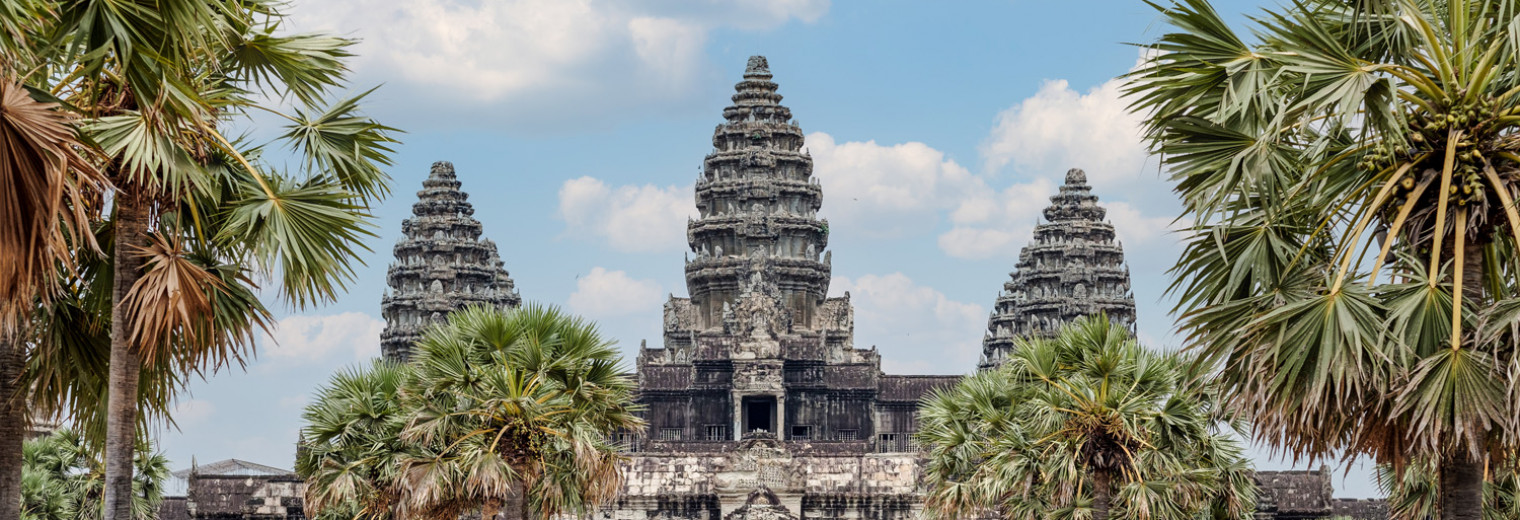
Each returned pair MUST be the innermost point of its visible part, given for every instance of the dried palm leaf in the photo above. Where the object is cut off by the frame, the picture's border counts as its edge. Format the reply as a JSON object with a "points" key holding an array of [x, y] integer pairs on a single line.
{"points": [[48, 189], [172, 302]]}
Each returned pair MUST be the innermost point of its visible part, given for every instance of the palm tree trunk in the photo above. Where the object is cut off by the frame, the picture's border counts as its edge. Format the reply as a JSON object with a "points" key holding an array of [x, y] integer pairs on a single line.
{"points": [[1102, 493], [490, 510], [515, 507], [1462, 473], [13, 418], [121, 418], [1461, 488]]}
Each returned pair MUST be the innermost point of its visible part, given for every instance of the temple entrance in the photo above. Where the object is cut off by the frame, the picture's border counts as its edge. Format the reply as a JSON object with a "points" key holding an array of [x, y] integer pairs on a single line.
{"points": [[759, 414]]}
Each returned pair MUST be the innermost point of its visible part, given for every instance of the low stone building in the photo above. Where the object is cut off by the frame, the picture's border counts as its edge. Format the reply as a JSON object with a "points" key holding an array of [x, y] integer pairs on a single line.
{"points": [[233, 490], [1309, 495]]}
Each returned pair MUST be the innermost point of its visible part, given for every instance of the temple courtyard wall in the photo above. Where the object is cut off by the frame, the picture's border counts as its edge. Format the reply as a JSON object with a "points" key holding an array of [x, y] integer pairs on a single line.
{"points": [[824, 480]]}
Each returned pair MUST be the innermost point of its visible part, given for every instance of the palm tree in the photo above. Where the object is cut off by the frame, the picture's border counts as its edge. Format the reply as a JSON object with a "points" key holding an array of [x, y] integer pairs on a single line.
{"points": [[63, 476], [513, 412], [1344, 127], [45, 189], [1090, 421], [351, 446], [1414, 495], [193, 215]]}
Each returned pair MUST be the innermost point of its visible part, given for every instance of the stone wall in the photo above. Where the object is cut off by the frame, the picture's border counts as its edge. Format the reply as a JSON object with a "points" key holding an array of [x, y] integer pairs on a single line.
{"points": [[825, 480], [1360, 509], [236, 497]]}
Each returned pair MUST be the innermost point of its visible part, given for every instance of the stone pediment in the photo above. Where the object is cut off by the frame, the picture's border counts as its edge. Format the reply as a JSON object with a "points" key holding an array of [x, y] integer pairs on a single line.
{"points": [[762, 504], [758, 317], [759, 461]]}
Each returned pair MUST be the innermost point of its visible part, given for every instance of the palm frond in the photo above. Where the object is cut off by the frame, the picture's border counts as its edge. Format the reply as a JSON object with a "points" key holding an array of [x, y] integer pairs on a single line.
{"points": [[49, 190]]}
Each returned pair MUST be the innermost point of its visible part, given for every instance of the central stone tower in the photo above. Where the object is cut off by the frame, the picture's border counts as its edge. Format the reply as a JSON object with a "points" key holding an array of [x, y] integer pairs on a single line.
{"points": [[758, 204], [758, 391]]}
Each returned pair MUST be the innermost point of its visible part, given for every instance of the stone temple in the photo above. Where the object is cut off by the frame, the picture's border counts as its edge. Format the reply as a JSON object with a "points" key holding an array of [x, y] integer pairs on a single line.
{"points": [[759, 387], [442, 264], [760, 406], [1074, 267]]}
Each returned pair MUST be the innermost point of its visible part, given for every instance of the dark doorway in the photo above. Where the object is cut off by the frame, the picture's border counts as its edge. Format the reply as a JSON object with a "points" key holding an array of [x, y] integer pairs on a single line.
{"points": [[759, 414]]}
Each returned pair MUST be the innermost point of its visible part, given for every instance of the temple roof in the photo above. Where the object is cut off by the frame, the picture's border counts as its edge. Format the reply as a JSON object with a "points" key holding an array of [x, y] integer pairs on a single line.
{"points": [[232, 467], [177, 485], [1073, 267]]}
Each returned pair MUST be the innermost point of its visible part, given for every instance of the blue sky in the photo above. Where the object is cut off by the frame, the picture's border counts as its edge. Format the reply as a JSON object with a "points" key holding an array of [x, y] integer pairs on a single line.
{"points": [[938, 130]]}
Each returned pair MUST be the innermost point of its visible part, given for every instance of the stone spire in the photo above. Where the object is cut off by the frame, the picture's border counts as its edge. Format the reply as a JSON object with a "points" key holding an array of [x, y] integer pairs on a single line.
{"points": [[442, 264], [1074, 267], [758, 204]]}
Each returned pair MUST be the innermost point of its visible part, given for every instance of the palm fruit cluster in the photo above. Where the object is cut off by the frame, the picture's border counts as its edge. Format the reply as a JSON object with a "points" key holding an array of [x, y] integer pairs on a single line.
{"points": [[1477, 124], [521, 443]]}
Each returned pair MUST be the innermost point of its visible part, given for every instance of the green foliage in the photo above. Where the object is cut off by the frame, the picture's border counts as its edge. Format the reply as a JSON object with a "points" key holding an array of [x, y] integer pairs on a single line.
{"points": [[1352, 168], [149, 88], [61, 479], [492, 404], [1413, 494], [1031, 439], [351, 444]]}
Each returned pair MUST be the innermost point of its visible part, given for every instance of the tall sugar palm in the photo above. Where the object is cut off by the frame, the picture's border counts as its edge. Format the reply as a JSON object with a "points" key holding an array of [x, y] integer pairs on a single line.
{"points": [[351, 445], [1086, 424], [47, 190], [514, 411], [193, 215], [1343, 127]]}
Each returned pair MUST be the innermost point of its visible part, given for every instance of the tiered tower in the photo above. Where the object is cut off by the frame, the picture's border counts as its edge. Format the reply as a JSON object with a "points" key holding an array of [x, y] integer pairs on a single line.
{"points": [[442, 264], [759, 349], [757, 199], [1074, 267]]}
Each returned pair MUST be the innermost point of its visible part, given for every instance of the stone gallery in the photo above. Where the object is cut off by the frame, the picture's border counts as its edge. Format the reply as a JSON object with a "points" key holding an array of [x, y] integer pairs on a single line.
{"points": [[759, 403]]}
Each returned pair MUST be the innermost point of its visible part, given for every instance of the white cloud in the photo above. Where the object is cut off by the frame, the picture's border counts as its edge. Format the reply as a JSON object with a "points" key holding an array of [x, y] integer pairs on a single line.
{"points": [[1135, 227], [989, 225], [631, 218], [870, 189], [303, 339], [532, 59], [603, 294], [1059, 128], [916, 328], [1040, 138], [191, 412]]}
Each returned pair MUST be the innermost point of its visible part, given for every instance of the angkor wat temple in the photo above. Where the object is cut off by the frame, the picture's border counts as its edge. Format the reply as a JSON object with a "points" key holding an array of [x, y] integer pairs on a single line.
{"points": [[759, 385], [760, 405]]}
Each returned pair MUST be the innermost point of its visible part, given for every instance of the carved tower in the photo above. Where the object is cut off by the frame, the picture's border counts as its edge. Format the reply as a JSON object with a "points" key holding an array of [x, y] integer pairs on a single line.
{"points": [[442, 265], [758, 204], [758, 348], [1074, 267]]}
